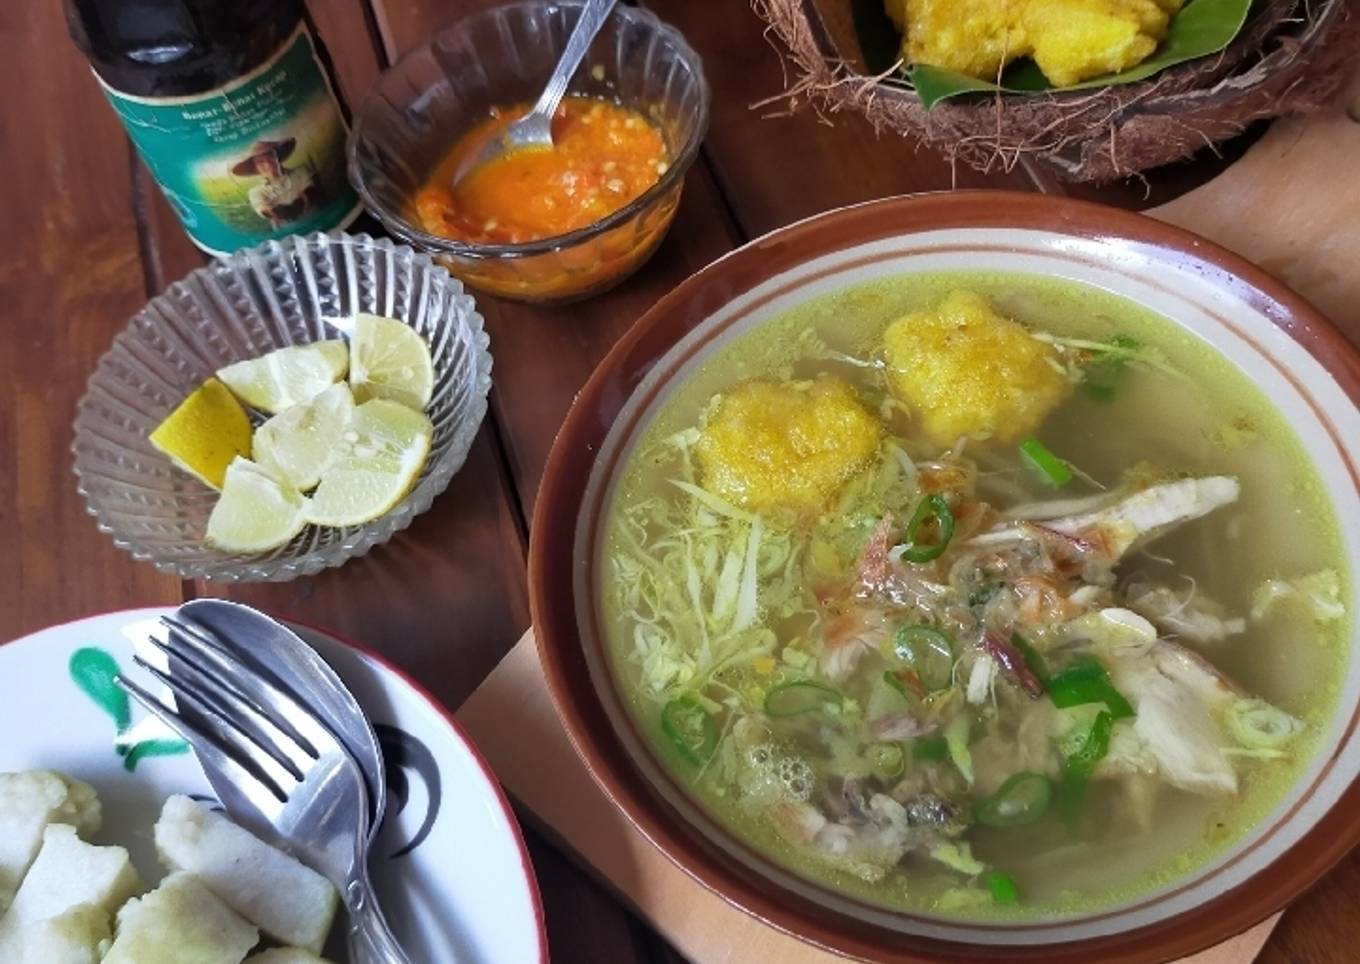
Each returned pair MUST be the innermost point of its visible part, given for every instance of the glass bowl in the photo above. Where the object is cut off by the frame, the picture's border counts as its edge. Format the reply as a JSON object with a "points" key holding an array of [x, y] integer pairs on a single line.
{"points": [[437, 92], [289, 292]]}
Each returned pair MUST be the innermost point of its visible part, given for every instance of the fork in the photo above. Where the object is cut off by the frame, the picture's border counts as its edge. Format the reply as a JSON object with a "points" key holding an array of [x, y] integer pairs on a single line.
{"points": [[291, 772]]}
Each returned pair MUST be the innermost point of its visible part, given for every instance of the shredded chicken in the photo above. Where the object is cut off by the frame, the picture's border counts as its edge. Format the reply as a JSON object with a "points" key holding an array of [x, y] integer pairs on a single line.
{"points": [[1193, 618], [1131, 522]]}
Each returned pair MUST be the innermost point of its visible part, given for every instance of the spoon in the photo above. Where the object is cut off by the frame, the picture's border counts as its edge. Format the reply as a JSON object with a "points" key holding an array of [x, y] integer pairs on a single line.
{"points": [[534, 129]]}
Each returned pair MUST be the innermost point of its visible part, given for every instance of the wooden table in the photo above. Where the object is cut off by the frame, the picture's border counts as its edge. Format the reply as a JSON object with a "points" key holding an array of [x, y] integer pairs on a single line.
{"points": [[88, 239]]}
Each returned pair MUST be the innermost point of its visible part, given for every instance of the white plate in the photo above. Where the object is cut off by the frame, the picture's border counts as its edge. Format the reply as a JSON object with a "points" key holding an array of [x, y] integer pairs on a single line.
{"points": [[449, 865]]}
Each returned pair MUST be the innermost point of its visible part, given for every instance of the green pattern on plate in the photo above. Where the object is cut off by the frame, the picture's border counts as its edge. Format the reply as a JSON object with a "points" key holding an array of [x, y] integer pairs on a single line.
{"points": [[93, 670]]}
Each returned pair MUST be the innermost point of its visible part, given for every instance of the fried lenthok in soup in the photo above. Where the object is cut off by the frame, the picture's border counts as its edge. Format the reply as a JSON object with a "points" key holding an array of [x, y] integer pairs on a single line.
{"points": [[955, 593]]}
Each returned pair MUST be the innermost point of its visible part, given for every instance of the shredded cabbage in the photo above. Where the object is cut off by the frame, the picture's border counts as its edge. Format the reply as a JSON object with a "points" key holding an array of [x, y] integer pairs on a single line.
{"points": [[1320, 590], [958, 856]]}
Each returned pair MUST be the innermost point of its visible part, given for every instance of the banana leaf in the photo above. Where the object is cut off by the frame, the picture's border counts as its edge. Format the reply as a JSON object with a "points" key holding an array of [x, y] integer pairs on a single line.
{"points": [[1200, 28]]}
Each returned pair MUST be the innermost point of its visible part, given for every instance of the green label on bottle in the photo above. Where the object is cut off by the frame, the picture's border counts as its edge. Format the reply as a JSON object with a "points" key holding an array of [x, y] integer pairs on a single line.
{"points": [[260, 158]]}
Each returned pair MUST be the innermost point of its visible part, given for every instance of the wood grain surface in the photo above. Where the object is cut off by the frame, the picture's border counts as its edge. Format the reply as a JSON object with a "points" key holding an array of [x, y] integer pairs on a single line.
{"points": [[88, 238]]}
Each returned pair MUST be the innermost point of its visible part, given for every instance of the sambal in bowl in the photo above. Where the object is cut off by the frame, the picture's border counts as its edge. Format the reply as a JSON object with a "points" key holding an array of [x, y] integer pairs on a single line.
{"points": [[534, 225]]}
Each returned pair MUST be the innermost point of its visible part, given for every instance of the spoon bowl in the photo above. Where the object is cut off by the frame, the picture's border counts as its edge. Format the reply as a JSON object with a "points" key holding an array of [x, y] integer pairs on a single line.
{"points": [[533, 131]]}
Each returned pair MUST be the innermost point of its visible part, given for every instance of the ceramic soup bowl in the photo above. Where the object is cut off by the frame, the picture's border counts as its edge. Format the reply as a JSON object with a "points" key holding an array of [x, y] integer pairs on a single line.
{"points": [[1303, 364]]}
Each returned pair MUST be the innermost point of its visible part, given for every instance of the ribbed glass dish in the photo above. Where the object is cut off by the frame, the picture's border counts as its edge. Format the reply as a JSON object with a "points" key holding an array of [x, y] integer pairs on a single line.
{"points": [[290, 292], [502, 56]]}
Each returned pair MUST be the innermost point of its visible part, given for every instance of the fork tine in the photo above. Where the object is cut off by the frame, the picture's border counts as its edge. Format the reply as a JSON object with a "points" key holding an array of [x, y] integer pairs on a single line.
{"points": [[209, 753], [187, 678], [283, 708], [226, 733], [210, 676]]}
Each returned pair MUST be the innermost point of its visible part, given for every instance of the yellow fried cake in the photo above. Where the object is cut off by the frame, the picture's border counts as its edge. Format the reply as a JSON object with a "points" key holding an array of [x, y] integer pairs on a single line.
{"points": [[973, 37], [790, 445], [1073, 40], [965, 371], [1070, 40]]}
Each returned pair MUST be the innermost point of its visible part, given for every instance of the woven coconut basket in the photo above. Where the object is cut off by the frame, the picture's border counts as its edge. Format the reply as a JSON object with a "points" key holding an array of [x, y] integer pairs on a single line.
{"points": [[1288, 58]]}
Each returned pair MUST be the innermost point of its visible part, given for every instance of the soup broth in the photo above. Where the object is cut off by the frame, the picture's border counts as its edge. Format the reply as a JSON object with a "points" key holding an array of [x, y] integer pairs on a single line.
{"points": [[1038, 667]]}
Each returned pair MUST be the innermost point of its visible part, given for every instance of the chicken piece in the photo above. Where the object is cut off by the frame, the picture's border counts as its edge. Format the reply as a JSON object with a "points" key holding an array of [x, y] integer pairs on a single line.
{"points": [[1113, 531], [790, 445], [847, 637], [1074, 40], [1176, 697], [1192, 618], [973, 37], [965, 371]]}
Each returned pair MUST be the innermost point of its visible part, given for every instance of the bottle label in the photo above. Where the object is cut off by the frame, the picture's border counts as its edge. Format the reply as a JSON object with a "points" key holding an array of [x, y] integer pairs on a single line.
{"points": [[262, 157]]}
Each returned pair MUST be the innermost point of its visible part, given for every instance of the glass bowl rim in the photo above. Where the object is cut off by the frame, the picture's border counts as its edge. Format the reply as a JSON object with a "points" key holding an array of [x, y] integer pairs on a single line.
{"points": [[399, 226]]}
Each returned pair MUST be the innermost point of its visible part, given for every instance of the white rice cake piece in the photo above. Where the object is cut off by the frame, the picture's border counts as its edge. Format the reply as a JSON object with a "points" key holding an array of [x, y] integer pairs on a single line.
{"points": [[70, 872], [286, 955], [291, 903], [180, 922], [29, 801], [79, 936]]}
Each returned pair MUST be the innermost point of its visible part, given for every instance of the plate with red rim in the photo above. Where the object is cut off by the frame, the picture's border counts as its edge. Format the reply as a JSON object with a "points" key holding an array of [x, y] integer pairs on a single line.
{"points": [[449, 864], [1299, 360]]}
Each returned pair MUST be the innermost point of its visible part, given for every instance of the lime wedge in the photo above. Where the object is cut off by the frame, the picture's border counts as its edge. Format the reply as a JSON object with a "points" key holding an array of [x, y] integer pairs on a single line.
{"points": [[300, 443], [389, 359], [205, 432], [381, 455], [255, 512], [288, 376]]}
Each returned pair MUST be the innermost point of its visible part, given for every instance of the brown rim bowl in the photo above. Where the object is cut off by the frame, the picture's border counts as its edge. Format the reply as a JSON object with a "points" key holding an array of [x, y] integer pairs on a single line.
{"points": [[1298, 358]]}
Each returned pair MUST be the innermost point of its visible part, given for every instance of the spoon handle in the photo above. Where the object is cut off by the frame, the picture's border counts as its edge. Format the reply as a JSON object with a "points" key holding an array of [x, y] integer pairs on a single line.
{"points": [[593, 16], [370, 939]]}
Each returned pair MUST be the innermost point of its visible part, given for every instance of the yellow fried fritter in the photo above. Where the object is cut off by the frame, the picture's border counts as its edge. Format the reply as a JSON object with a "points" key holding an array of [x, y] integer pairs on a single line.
{"points": [[964, 370], [1070, 40], [973, 37], [1077, 39], [792, 445]]}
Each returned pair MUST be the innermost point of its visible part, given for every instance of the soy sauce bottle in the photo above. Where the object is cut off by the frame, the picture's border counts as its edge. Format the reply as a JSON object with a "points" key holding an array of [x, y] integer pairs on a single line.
{"points": [[231, 108]]}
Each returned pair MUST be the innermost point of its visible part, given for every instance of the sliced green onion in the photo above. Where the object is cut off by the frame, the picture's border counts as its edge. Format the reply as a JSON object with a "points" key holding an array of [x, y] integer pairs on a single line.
{"points": [[930, 652], [1087, 682], [1080, 765], [1021, 800], [931, 748], [887, 759], [1259, 726], [1053, 469], [918, 549], [1031, 656], [690, 729], [800, 696], [1002, 887]]}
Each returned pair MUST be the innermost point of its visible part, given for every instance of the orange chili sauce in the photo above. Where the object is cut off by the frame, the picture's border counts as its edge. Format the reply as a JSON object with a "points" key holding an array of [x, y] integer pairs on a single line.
{"points": [[603, 156]]}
